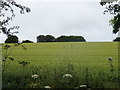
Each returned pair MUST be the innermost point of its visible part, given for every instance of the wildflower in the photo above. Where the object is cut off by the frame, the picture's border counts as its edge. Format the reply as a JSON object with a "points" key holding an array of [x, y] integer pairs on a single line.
{"points": [[109, 58], [35, 76], [67, 75], [83, 86], [48, 87]]}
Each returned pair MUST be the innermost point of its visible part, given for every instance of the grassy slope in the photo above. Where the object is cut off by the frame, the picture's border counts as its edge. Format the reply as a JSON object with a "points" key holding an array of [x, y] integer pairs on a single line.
{"points": [[57, 56], [68, 52]]}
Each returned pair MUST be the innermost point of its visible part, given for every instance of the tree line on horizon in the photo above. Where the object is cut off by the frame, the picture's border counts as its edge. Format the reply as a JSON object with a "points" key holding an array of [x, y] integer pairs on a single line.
{"points": [[47, 38], [50, 38], [63, 38]]}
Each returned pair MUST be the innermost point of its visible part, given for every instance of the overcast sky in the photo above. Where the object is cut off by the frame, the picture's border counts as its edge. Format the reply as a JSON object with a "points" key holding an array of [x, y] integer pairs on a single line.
{"points": [[63, 17]]}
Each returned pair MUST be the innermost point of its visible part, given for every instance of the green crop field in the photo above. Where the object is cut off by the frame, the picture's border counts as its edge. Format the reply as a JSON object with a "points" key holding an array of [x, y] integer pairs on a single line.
{"points": [[86, 62]]}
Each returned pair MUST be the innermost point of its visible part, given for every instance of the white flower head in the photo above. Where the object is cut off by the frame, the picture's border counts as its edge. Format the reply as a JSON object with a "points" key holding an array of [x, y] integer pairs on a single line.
{"points": [[67, 75], [48, 87], [109, 58], [83, 86], [35, 76]]}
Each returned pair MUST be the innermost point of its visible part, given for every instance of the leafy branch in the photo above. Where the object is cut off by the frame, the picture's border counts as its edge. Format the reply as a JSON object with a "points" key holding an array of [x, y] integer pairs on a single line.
{"points": [[6, 6], [113, 9], [7, 49]]}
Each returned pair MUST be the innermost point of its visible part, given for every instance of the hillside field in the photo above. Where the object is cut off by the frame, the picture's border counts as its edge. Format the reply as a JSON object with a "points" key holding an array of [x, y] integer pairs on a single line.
{"points": [[87, 62]]}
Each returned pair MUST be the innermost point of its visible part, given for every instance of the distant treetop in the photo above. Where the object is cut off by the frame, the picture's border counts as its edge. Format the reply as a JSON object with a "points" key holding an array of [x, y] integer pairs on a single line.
{"points": [[12, 39], [27, 41], [50, 38]]}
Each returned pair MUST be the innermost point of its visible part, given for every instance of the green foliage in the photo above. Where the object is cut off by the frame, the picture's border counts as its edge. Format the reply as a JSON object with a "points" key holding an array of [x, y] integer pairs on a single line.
{"points": [[117, 39], [7, 58], [23, 63], [6, 7], [113, 9], [47, 38], [115, 22], [12, 39], [41, 38], [70, 39], [27, 41], [50, 38]]}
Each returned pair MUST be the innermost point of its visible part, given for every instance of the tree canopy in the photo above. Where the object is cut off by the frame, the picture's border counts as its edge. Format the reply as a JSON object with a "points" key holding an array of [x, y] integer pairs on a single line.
{"points": [[47, 38], [70, 39], [113, 9], [117, 39], [12, 39], [27, 41], [7, 13], [50, 38], [41, 38]]}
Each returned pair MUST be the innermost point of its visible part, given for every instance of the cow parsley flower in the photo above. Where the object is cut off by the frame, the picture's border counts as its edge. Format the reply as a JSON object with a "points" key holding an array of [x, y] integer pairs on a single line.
{"points": [[35, 76], [83, 86], [47, 87], [67, 75]]}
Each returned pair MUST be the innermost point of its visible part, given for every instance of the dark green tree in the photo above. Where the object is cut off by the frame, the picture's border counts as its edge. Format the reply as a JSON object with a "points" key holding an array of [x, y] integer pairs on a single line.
{"points": [[49, 38], [117, 39], [41, 38], [70, 39], [113, 9], [61, 39], [12, 39], [27, 41]]}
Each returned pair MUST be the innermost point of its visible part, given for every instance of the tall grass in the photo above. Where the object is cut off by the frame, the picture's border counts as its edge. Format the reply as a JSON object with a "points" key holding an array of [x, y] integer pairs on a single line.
{"points": [[86, 62]]}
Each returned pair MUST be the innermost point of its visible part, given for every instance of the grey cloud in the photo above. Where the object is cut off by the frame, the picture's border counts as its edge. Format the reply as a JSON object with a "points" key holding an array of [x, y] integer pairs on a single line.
{"points": [[58, 19]]}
